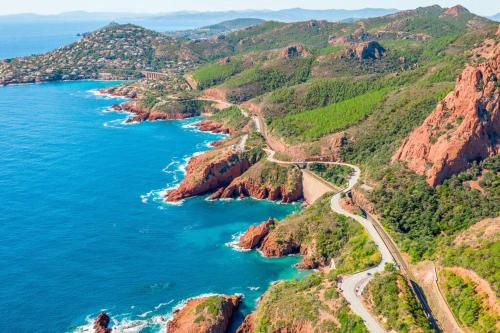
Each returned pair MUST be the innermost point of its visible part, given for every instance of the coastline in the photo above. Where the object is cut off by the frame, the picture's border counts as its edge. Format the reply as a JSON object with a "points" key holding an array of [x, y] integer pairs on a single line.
{"points": [[62, 81], [163, 319]]}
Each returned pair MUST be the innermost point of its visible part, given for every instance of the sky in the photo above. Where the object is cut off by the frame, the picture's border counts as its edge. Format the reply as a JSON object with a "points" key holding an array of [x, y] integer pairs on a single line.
{"points": [[481, 7]]}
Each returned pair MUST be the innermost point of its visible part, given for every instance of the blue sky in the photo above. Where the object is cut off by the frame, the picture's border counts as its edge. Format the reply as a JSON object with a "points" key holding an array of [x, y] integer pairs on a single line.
{"points": [[482, 7]]}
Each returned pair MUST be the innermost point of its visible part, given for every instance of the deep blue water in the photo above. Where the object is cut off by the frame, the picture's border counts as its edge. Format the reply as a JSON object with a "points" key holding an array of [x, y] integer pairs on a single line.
{"points": [[82, 225]]}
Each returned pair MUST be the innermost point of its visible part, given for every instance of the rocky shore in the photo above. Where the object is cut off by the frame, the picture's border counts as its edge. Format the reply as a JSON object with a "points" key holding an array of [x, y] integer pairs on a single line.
{"points": [[101, 323], [208, 125], [207, 314], [254, 235], [209, 171], [141, 114]]}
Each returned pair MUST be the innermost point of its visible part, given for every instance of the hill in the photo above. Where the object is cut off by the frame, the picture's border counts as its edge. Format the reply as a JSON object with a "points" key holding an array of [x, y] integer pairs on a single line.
{"points": [[115, 51], [214, 30]]}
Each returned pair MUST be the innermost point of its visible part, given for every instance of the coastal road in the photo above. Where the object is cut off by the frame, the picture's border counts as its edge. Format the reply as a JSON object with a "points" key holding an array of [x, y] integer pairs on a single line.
{"points": [[352, 285]]}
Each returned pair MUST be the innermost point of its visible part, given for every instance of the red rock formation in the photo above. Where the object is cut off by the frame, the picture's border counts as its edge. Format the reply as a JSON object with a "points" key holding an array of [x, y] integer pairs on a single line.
{"points": [[194, 317], [245, 187], [254, 234], [464, 127], [101, 323], [207, 172], [366, 50], [358, 197], [143, 115], [455, 11], [274, 245], [296, 50], [308, 262], [212, 126], [247, 325]]}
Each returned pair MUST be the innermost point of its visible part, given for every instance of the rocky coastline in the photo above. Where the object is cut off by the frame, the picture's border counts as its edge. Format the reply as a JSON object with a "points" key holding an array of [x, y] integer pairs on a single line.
{"points": [[205, 314]]}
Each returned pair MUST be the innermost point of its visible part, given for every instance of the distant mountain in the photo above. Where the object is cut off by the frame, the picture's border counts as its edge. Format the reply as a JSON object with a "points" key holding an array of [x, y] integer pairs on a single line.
{"points": [[495, 17], [284, 15], [213, 30], [191, 20]]}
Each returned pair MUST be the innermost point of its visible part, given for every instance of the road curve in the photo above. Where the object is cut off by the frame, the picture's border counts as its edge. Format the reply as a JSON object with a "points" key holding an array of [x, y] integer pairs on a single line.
{"points": [[352, 285]]}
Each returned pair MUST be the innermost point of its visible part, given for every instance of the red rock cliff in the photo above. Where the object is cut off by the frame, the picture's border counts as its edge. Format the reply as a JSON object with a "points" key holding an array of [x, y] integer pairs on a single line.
{"points": [[208, 172], [464, 127], [211, 314], [255, 233], [265, 180]]}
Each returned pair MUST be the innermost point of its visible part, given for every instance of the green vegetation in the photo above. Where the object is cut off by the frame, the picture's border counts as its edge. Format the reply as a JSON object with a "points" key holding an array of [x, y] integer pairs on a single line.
{"points": [[259, 79], [288, 304], [313, 124], [392, 299], [484, 260], [467, 304], [335, 174], [212, 305], [328, 235], [327, 50], [271, 176], [214, 73], [253, 148], [231, 117], [419, 214], [394, 119]]}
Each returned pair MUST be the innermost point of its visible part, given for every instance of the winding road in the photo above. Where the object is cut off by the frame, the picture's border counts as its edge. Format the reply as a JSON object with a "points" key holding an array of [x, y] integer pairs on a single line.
{"points": [[353, 285]]}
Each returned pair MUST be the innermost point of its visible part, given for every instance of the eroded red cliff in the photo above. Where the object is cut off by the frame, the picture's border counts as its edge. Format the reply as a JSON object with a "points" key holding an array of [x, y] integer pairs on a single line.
{"points": [[464, 127], [210, 314], [210, 171], [255, 234]]}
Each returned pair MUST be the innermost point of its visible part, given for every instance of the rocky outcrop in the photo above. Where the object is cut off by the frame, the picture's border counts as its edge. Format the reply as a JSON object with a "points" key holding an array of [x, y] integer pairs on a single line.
{"points": [[210, 171], [296, 50], [265, 180], [212, 126], [244, 187], [277, 245], [254, 234], [455, 11], [210, 314], [365, 51], [359, 198], [101, 323], [464, 127], [141, 114]]}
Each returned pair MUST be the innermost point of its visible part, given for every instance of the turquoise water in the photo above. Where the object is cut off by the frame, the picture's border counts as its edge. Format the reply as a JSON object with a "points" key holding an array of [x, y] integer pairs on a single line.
{"points": [[83, 227]]}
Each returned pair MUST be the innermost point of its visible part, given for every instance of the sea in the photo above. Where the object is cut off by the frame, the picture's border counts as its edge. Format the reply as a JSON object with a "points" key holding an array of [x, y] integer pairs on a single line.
{"points": [[83, 225], [24, 38]]}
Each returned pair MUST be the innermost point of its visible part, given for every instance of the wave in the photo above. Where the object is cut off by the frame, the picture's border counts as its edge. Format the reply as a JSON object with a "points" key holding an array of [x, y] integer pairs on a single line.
{"points": [[103, 95], [116, 123], [235, 239]]}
